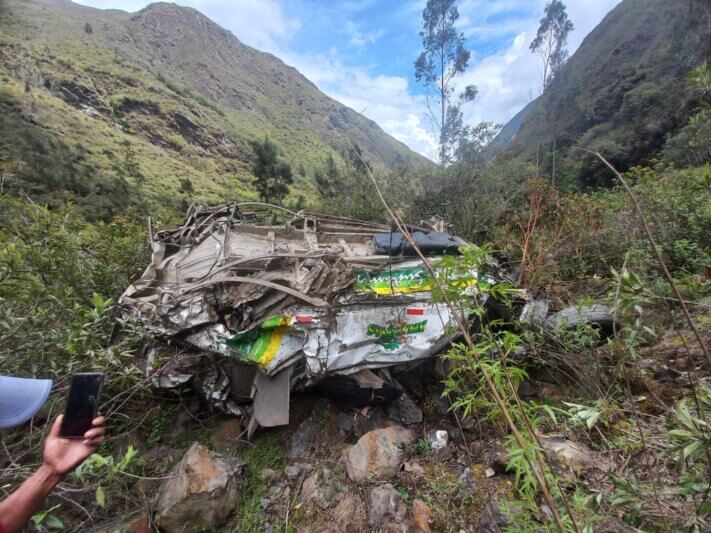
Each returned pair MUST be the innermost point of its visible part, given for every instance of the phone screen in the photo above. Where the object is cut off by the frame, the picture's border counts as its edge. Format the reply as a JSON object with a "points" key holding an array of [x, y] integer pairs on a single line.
{"points": [[82, 404]]}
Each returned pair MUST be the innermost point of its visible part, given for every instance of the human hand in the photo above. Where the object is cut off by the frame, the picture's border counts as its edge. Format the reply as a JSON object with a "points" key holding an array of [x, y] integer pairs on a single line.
{"points": [[62, 455]]}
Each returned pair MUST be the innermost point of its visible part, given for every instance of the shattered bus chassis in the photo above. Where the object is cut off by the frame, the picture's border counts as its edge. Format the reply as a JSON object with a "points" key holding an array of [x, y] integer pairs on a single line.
{"points": [[258, 308]]}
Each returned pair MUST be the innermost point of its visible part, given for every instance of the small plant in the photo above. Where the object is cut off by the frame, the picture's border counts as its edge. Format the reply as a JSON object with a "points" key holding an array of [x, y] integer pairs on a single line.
{"points": [[422, 447], [45, 520], [107, 468]]}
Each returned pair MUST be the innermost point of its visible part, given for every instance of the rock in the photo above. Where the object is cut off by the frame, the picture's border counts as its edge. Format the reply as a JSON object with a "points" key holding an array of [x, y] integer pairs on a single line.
{"points": [[349, 514], [467, 483], [570, 457], [320, 489], [441, 403], [498, 459], [345, 422], [467, 422], [419, 521], [476, 448], [412, 467], [385, 505], [455, 435], [403, 410], [142, 524], [489, 472], [421, 515], [378, 454], [201, 492], [309, 487], [374, 418], [437, 439], [225, 437], [301, 438], [296, 470], [444, 454]]}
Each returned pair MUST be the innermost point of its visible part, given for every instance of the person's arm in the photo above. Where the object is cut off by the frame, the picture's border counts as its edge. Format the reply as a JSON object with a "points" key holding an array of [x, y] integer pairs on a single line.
{"points": [[60, 457]]}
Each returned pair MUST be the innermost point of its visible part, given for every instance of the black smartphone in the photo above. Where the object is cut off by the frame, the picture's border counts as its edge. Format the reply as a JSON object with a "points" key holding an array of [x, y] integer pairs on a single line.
{"points": [[82, 404]]}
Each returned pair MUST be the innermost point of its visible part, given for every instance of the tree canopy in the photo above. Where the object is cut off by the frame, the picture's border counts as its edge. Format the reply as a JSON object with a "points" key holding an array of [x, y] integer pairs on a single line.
{"points": [[443, 58], [272, 177], [551, 40]]}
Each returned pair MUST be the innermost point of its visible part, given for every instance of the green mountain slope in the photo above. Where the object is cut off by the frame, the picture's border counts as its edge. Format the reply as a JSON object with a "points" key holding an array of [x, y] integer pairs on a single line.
{"points": [[506, 134], [108, 109], [623, 92]]}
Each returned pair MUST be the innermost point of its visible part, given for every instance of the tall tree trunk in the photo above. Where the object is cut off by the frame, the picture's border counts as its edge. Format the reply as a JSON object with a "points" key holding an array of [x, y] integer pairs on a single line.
{"points": [[443, 94], [554, 147]]}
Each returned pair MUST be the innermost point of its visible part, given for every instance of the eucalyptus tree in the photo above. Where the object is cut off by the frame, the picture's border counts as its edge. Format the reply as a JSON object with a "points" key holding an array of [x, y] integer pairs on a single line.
{"points": [[551, 45], [444, 57], [552, 39]]}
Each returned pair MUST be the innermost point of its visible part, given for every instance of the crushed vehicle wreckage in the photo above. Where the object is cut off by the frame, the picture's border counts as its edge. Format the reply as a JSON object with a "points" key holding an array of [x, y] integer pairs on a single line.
{"points": [[258, 307]]}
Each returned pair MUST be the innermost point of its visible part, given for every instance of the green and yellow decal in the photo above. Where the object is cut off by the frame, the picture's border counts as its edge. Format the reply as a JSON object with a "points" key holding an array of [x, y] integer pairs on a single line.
{"points": [[389, 337], [403, 281], [261, 344]]}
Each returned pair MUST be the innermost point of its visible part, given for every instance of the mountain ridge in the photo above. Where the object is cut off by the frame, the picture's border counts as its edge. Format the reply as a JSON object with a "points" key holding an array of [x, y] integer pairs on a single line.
{"points": [[170, 89], [623, 92]]}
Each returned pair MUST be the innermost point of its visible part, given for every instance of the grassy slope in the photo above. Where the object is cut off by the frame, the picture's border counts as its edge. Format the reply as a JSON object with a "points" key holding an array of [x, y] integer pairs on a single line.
{"points": [[118, 108], [622, 91]]}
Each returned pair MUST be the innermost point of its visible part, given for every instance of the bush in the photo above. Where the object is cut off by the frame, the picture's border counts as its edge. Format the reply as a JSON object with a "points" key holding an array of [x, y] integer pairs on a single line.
{"points": [[579, 237], [59, 276]]}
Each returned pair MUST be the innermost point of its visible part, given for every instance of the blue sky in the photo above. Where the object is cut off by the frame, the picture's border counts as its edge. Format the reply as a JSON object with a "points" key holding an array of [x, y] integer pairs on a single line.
{"points": [[361, 52]]}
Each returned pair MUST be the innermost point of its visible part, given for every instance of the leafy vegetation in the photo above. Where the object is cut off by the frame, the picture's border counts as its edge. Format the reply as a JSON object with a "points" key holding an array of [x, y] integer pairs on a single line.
{"points": [[272, 177], [92, 143], [443, 58]]}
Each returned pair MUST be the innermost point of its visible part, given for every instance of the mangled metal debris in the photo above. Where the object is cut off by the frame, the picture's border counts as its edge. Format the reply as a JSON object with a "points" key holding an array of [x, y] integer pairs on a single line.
{"points": [[272, 306], [258, 306]]}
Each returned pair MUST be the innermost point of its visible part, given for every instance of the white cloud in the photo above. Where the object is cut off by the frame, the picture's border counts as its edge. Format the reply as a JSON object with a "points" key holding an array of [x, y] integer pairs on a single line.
{"points": [[509, 79], [385, 99], [359, 38]]}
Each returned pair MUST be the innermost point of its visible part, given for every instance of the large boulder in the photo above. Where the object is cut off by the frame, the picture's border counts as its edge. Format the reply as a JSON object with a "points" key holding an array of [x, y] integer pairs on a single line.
{"points": [[378, 454], [201, 491]]}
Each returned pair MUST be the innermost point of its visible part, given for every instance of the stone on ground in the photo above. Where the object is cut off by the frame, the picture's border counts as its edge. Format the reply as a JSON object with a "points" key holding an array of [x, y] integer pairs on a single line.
{"points": [[296, 470], [404, 410], [437, 439], [201, 492], [302, 437], [421, 515], [378, 454], [225, 437], [570, 457], [385, 506], [349, 514]]}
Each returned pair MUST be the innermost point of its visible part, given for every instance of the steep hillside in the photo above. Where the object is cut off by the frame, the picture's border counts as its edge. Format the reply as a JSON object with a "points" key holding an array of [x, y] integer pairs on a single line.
{"points": [[623, 92], [508, 131], [110, 108]]}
